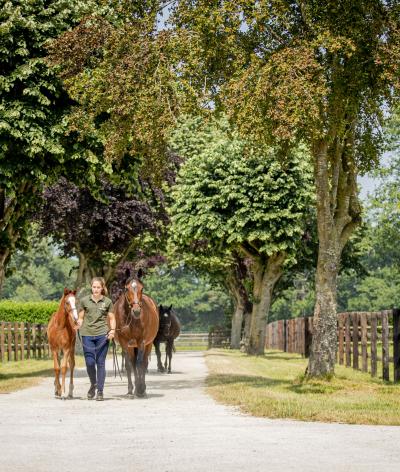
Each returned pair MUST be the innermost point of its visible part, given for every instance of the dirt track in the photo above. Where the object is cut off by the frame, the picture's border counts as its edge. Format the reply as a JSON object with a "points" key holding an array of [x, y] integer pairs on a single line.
{"points": [[178, 428]]}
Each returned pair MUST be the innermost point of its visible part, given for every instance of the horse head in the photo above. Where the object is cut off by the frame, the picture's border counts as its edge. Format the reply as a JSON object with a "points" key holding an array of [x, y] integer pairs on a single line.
{"points": [[133, 291], [165, 320], [70, 304]]}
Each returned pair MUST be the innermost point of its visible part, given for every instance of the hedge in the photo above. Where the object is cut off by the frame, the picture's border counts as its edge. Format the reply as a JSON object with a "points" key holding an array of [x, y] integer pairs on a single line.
{"points": [[30, 312]]}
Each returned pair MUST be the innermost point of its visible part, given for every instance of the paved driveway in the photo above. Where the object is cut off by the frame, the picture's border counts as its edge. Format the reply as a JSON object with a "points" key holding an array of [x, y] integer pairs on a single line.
{"points": [[177, 428]]}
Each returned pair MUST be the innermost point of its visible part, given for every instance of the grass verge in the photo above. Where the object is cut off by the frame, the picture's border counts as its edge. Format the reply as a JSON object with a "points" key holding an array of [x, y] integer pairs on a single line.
{"points": [[273, 386], [23, 374]]}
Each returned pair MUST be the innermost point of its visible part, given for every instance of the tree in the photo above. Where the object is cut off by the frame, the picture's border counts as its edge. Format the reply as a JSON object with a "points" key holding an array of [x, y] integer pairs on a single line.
{"points": [[198, 302], [121, 73], [233, 194], [102, 233], [38, 273], [33, 110], [225, 267], [318, 72]]}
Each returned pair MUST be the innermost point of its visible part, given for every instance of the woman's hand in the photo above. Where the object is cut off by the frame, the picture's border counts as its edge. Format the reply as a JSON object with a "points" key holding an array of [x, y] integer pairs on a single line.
{"points": [[78, 324], [110, 334]]}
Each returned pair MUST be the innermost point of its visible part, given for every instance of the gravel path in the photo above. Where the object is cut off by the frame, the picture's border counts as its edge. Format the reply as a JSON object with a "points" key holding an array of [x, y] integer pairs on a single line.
{"points": [[178, 428]]}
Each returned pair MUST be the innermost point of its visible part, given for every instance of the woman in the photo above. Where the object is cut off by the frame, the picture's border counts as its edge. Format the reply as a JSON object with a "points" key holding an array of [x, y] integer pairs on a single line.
{"points": [[95, 311]]}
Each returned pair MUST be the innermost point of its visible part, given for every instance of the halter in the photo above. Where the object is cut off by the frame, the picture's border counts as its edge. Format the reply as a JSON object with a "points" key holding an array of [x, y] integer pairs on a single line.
{"points": [[135, 313], [71, 300]]}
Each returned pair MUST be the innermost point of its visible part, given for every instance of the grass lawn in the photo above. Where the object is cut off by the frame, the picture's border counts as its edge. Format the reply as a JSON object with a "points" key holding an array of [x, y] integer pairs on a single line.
{"points": [[273, 386], [24, 374]]}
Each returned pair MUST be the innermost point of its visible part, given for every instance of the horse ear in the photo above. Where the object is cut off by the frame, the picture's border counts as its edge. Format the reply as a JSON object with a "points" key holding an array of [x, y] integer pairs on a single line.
{"points": [[140, 274], [66, 291], [161, 308], [127, 274], [73, 292], [170, 308]]}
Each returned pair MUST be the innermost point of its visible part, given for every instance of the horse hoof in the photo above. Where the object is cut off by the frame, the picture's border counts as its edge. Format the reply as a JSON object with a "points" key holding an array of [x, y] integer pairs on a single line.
{"points": [[169, 372], [130, 395], [70, 396], [141, 395]]}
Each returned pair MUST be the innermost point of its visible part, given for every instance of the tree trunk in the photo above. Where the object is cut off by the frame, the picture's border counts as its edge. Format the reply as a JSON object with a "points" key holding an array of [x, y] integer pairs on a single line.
{"points": [[338, 213], [14, 213], [2, 271], [324, 342], [237, 321], [84, 274], [265, 277], [244, 343]]}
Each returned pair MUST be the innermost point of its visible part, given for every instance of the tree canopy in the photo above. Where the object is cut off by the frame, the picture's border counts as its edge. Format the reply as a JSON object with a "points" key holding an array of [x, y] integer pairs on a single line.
{"points": [[229, 193], [34, 146]]}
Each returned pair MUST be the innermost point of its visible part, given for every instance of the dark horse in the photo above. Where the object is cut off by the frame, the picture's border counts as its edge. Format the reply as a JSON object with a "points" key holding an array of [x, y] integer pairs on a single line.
{"points": [[169, 330], [136, 327]]}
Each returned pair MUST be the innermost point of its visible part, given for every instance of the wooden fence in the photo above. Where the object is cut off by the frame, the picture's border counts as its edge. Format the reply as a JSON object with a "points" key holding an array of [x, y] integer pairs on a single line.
{"points": [[191, 341], [19, 341], [366, 340]]}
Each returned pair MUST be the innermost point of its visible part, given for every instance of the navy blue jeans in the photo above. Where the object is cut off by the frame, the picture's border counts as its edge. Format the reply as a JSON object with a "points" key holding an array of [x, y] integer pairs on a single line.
{"points": [[95, 350]]}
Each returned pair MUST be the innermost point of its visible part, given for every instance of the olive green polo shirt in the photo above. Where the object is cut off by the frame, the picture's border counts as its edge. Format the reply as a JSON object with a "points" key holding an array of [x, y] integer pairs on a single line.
{"points": [[95, 319]]}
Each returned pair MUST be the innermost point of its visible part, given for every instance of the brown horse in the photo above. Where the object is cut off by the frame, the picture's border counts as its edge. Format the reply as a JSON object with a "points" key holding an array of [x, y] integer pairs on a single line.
{"points": [[137, 325], [61, 335]]}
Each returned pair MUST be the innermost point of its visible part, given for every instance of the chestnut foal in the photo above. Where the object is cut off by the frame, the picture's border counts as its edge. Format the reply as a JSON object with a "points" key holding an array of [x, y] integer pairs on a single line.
{"points": [[61, 334]]}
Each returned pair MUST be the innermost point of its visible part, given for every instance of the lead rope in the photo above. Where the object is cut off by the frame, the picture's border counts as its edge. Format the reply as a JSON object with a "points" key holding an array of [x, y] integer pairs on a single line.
{"points": [[115, 360]]}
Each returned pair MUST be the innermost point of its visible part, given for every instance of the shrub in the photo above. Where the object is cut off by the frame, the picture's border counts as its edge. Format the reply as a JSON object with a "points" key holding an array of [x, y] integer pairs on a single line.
{"points": [[30, 312]]}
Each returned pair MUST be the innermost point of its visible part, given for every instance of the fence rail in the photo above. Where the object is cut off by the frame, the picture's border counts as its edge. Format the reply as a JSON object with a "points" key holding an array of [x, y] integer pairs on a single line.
{"points": [[191, 340], [366, 340], [19, 341]]}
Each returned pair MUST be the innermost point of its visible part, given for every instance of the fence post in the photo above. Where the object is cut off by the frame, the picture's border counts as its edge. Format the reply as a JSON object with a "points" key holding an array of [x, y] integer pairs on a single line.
{"points": [[22, 341], [28, 344], [284, 335], [341, 339], [39, 338], [355, 320], [364, 342], [9, 341], [2, 346], [396, 344], [385, 346], [348, 341], [16, 340], [374, 337], [307, 337]]}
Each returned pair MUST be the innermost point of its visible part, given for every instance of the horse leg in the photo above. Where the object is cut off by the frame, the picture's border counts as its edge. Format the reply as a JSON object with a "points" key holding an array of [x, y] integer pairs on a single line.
{"points": [[64, 367], [129, 367], [71, 368], [140, 385], [160, 367], [147, 353], [57, 385], [169, 354], [166, 355]]}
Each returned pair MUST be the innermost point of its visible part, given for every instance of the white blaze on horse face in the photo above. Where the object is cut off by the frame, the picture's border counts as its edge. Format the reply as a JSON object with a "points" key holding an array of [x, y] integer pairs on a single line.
{"points": [[133, 284], [165, 315], [71, 300]]}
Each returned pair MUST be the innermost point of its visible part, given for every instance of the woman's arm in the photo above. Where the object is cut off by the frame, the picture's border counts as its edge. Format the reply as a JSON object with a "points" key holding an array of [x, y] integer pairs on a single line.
{"points": [[80, 319], [112, 322]]}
